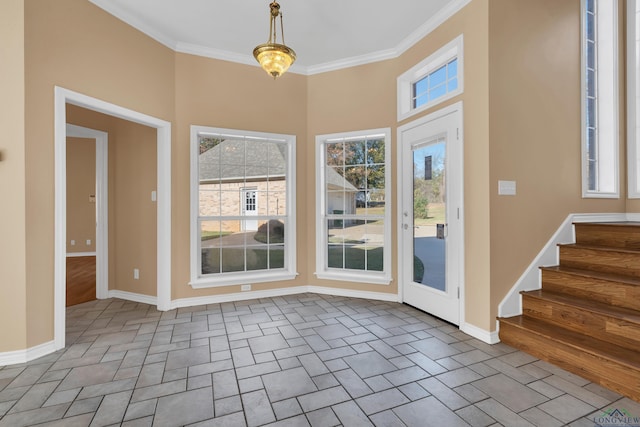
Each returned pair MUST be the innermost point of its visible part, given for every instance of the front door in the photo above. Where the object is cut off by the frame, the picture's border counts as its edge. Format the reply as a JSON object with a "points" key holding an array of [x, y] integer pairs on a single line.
{"points": [[431, 229]]}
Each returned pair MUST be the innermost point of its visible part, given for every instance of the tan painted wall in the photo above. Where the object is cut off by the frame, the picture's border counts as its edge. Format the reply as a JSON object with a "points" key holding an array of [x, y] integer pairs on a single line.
{"points": [[132, 215], [13, 332], [135, 177], [508, 123], [81, 183], [227, 95], [365, 97], [535, 131], [74, 44]]}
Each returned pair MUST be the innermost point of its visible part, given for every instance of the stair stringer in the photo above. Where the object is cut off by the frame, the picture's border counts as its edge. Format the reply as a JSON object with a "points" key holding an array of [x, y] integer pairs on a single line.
{"points": [[531, 278]]}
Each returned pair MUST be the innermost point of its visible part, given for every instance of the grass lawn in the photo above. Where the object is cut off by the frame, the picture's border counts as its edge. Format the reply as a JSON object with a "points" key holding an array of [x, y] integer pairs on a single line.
{"points": [[208, 235], [435, 215], [233, 259], [354, 258]]}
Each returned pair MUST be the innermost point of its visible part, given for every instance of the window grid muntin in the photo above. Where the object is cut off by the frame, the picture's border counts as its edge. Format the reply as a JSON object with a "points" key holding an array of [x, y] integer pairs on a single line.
{"points": [[242, 216], [449, 84], [591, 93], [337, 160]]}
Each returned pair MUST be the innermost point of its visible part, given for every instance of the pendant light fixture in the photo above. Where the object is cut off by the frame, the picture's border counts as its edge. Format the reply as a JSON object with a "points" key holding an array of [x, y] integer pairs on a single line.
{"points": [[274, 58]]}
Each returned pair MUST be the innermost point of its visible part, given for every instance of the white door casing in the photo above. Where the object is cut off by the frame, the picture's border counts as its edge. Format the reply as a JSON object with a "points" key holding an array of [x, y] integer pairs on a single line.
{"points": [[441, 127], [62, 98]]}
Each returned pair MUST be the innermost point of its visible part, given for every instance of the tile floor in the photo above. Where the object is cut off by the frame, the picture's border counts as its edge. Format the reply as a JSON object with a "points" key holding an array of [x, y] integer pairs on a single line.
{"points": [[289, 361]]}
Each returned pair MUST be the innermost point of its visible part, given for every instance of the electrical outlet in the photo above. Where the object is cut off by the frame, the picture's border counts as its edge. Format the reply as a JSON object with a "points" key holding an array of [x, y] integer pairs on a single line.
{"points": [[245, 288], [73, 243], [88, 242], [136, 274]]}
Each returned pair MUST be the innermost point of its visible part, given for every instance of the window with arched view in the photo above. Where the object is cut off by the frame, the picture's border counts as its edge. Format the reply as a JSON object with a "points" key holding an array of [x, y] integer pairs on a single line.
{"points": [[242, 216], [352, 220]]}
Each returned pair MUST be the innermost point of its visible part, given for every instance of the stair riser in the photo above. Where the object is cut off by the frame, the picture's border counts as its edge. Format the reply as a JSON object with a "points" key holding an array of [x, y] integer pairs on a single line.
{"points": [[614, 293], [602, 261], [627, 237], [612, 330], [605, 372]]}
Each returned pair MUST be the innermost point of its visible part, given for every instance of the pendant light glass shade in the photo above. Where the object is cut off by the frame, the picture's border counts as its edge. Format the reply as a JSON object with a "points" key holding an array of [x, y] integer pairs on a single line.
{"points": [[275, 58]]}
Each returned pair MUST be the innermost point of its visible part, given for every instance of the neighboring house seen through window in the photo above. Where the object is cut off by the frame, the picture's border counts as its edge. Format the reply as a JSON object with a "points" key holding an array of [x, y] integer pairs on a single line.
{"points": [[242, 213], [353, 220]]}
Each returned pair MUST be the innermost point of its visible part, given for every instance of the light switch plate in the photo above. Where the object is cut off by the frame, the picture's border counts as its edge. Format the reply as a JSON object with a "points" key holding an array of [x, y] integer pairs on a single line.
{"points": [[507, 188]]}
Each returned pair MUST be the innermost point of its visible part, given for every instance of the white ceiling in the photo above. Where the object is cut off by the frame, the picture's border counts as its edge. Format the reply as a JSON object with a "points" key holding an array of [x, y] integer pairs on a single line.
{"points": [[326, 34]]}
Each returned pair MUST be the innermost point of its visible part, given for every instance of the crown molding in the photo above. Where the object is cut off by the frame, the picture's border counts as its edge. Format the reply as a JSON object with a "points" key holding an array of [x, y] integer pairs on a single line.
{"points": [[193, 49], [135, 23]]}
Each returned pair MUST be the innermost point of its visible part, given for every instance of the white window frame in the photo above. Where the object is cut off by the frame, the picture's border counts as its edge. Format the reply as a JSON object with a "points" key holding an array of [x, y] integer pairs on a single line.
{"points": [[363, 276], [452, 50], [633, 98], [246, 277], [607, 115]]}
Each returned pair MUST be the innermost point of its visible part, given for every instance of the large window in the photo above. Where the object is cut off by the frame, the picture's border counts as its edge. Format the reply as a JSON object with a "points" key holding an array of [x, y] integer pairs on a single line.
{"points": [[435, 79], [353, 223], [599, 98], [242, 216], [633, 96]]}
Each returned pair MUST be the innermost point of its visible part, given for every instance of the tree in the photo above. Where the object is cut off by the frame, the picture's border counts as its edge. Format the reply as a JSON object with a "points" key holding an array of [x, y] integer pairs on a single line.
{"points": [[208, 142], [360, 162]]}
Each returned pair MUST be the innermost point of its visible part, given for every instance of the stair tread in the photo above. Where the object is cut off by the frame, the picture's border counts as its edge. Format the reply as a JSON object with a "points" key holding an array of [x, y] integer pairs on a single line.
{"points": [[614, 224], [599, 248], [609, 310], [599, 348], [629, 280]]}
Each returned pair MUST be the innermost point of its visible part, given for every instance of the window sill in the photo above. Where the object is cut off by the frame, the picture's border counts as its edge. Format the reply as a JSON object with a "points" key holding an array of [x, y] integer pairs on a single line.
{"points": [[228, 279], [596, 195], [360, 277]]}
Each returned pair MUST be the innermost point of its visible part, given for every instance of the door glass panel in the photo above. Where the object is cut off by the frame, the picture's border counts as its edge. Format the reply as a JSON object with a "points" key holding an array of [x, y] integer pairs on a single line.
{"points": [[429, 214]]}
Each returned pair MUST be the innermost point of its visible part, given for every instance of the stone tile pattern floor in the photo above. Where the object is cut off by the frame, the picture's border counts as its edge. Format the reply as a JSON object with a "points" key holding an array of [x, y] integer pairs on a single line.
{"points": [[301, 360]]}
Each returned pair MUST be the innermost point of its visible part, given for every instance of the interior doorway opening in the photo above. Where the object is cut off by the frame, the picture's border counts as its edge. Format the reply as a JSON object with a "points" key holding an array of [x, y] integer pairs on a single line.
{"points": [[63, 97]]}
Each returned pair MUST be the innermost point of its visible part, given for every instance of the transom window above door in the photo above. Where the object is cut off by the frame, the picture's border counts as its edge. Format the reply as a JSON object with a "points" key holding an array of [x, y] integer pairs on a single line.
{"points": [[242, 215], [433, 80]]}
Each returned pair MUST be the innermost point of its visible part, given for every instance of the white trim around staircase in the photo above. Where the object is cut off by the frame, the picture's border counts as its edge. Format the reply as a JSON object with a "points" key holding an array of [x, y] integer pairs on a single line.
{"points": [[511, 305], [479, 333]]}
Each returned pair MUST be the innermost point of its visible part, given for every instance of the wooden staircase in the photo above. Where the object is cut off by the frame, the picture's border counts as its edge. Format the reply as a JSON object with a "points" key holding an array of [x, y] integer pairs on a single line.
{"points": [[586, 317]]}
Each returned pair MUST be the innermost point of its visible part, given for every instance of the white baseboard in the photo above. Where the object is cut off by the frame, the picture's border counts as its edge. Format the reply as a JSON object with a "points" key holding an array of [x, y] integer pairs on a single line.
{"points": [[27, 355], [635, 217], [79, 254], [237, 296], [511, 305], [243, 296], [131, 296], [481, 334], [378, 296]]}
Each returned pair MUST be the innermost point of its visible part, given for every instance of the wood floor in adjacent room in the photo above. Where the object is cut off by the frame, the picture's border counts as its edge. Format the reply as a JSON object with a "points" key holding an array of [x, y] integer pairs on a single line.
{"points": [[81, 279]]}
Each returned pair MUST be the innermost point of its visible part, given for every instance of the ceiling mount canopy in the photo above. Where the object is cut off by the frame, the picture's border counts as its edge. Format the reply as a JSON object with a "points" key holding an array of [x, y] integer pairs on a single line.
{"points": [[274, 58]]}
